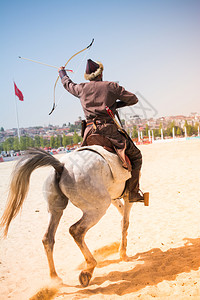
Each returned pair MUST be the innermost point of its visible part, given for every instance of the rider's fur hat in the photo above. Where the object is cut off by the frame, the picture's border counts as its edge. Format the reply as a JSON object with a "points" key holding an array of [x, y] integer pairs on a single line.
{"points": [[93, 69]]}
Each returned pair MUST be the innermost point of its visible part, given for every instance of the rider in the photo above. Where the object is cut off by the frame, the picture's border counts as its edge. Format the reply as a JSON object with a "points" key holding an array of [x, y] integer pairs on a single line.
{"points": [[94, 96]]}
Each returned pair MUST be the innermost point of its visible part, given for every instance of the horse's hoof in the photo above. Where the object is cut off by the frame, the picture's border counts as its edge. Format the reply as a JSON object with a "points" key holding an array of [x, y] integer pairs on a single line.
{"points": [[84, 278]]}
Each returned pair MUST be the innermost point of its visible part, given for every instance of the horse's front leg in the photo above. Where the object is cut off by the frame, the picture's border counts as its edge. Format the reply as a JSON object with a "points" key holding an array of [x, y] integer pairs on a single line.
{"points": [[125, 225], [119, 205]]}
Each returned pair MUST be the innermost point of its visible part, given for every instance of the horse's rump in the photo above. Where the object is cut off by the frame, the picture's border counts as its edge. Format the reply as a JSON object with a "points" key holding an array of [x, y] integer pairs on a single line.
{"points": [[119, 173]]}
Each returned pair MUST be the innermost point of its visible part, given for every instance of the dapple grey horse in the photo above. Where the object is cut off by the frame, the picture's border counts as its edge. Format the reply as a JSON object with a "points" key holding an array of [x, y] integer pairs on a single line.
{"points": [[83, 177]]}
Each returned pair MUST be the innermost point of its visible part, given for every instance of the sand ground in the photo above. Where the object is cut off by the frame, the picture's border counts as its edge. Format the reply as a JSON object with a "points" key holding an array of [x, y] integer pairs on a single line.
{"points": [[163, 240]]}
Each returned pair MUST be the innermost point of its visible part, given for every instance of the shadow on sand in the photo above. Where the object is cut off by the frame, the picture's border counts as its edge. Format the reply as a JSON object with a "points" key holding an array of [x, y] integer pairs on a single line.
{"points": [[153, 267]]}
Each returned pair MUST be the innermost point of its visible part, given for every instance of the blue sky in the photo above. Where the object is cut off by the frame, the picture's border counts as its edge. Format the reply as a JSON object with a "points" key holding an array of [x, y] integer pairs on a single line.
{"points": [[148, 46]]}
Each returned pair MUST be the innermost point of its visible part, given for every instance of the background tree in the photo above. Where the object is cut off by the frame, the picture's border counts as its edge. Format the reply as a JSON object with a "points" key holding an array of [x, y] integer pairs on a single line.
{"points": [[16, 144], [52, 142], [30, 142], [8, 144], [178, 131], [22, 143], [58, 141], [64, 140], [37, 141], [41, 141], [69, 140], [168, 131], [76, 139], [146, 131], [160, 128], [196, 128], [46, 143], [156, 132], [189, 128], [134, 132]]}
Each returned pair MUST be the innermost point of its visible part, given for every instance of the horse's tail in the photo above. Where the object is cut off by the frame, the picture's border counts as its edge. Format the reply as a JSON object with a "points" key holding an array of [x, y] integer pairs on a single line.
{"points": [[19, 185]]}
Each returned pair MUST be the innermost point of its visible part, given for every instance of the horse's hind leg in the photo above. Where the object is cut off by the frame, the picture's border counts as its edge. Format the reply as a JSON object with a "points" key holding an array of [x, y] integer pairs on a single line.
{"points": [[57, 202], [48, 240], [78, 231]]}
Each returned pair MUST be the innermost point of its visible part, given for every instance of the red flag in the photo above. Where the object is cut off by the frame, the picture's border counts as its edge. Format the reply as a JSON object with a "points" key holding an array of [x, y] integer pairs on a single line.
{"points": [[18, 93]]}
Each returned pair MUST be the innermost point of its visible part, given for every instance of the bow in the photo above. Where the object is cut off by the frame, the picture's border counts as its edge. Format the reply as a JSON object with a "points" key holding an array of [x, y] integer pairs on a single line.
{"points": [[54, 92]]}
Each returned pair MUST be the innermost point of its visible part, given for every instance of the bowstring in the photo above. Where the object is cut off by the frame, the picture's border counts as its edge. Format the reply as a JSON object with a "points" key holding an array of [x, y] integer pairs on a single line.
{"points": [[73, 76]]}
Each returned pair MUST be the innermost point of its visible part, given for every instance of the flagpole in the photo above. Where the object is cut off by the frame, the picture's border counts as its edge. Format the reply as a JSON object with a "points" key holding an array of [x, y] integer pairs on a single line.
{"points": [[18, 133]]}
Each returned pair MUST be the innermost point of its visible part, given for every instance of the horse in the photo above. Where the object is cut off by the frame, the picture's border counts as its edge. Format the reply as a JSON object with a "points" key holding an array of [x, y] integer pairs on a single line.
{"points": [[86, 179]]}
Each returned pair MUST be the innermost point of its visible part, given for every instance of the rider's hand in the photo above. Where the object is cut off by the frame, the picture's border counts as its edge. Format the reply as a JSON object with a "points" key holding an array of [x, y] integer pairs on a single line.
{"points": [[62, 72], [61, 68]]}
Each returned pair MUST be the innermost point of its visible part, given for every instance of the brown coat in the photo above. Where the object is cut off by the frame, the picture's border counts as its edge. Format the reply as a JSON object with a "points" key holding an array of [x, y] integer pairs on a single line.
{"points": [[94, 97]]}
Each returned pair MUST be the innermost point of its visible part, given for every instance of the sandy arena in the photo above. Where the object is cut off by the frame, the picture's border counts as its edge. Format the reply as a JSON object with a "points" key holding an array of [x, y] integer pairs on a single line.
{"points": [[163, 239]]}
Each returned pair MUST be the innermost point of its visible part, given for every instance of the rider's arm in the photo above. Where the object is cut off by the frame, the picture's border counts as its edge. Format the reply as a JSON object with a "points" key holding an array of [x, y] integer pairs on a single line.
{"points": [[127, 98], [68, 84]]}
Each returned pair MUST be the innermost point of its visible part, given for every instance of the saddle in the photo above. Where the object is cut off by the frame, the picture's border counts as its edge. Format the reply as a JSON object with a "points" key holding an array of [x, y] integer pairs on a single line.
{"points": [[100, 140]]}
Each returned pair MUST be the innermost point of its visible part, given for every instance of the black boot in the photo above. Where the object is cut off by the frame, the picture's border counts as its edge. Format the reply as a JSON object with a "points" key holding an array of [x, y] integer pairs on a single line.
{"points": [[135, 197], [132, 187]]}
